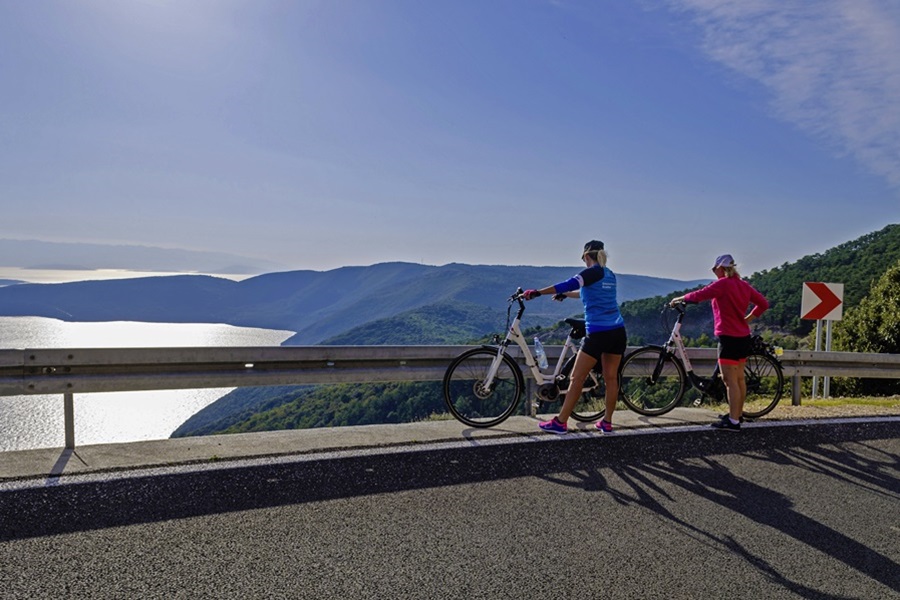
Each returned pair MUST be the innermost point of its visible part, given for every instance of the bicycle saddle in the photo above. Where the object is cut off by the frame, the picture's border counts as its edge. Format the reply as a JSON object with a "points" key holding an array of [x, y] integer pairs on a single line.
{"points": [[577, 328]]}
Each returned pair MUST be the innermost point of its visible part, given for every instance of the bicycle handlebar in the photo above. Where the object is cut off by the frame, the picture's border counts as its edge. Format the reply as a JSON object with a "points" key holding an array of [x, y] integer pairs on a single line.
{"points": [[679, 306]]}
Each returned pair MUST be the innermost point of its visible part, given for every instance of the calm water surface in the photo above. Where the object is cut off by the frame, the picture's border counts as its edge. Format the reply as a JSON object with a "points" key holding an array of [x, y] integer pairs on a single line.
{"points": [[37, 421]]}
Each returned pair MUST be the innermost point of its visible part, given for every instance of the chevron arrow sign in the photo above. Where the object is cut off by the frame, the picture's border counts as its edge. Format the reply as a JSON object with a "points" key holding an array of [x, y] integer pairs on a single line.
{"points": [[822, 301]]}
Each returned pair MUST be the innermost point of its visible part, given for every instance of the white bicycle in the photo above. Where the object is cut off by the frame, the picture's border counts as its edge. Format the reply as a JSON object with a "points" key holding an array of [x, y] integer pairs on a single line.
{"points": [[483, 386]]}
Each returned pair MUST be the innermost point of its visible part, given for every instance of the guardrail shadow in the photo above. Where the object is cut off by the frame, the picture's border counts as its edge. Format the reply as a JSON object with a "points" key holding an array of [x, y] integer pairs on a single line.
{"points": [[677, 459]]}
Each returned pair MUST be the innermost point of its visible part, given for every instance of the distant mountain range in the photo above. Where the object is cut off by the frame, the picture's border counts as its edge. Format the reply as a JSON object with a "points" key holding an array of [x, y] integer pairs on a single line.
{"points": [[322, 305], [467, 311], [60, 256]]}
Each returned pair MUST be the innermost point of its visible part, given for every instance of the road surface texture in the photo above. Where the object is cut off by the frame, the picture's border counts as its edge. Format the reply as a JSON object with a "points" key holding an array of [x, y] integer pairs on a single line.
{"points": [[780, 510]]}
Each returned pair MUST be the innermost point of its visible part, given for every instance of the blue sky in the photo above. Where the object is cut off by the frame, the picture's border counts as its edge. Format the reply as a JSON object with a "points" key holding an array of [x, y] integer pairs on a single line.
{"points": [[327, 133]]}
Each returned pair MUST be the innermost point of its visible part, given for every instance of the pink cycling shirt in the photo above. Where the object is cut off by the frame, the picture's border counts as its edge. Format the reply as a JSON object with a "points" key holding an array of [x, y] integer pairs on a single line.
{"points": [[731, 297]]}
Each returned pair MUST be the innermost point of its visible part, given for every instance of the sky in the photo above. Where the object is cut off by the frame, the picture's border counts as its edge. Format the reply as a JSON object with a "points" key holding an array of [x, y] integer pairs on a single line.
{"points": [[327, 133]]}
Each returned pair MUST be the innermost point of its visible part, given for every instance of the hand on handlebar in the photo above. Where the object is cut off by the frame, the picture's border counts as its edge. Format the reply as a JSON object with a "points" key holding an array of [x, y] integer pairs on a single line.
{"points": [[531, 294], [676, 302], [559, 297]]}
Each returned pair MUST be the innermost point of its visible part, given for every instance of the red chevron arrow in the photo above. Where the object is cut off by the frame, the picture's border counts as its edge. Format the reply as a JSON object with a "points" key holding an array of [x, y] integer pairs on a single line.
{"points": [[828, 301]]}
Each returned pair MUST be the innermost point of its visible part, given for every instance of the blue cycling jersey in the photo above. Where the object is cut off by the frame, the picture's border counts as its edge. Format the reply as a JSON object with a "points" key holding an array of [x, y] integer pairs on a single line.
{"points": [[597, 287]]}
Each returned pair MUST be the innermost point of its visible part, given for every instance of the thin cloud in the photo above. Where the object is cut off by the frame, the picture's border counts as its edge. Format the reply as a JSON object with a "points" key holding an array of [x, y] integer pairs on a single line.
{"points": [[832, 67]]}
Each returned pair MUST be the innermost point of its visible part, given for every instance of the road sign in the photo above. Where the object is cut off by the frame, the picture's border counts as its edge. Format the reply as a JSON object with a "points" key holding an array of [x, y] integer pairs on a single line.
{"points": [[822, 301]]}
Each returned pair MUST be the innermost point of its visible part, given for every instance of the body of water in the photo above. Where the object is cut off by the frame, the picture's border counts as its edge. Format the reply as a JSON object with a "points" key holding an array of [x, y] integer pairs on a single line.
{"points": [[70, 275], [37, 421]]}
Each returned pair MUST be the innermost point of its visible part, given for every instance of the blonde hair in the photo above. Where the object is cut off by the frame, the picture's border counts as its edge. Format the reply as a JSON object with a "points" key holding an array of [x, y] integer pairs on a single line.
{"points": [[731, 272], [598, 255]]}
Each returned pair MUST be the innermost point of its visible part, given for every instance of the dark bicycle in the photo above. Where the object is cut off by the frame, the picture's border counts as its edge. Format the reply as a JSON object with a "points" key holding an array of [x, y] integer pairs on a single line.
{"points": [[654, 379]]}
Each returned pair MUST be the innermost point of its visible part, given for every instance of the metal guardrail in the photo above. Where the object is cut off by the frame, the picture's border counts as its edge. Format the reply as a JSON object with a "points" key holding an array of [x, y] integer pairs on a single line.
{"points": [[59, 371], [71, 371]]}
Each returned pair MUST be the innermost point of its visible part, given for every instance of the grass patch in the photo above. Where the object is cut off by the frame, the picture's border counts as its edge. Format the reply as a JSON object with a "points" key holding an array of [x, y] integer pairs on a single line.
{"points": [[885, 402], [888, 402]]}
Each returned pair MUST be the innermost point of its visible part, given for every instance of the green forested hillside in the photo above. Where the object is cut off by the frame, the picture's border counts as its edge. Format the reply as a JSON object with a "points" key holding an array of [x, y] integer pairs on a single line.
{"points": [[436, 324], [238, 406], [857, 264], [872, 326], [349, 404]]}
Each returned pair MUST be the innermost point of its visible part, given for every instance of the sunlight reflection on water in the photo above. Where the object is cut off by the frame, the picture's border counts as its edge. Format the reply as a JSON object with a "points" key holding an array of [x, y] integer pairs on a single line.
{"points": [[37, 421]]}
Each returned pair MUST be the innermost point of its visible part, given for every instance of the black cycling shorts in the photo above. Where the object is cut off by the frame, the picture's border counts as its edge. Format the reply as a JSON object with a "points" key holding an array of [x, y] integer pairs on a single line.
{"points": [[734, 350], [612, 341]]}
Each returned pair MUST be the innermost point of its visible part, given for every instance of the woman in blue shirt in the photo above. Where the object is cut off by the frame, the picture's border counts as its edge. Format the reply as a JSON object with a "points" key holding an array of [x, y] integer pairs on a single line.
{"points": [[606, 339]]}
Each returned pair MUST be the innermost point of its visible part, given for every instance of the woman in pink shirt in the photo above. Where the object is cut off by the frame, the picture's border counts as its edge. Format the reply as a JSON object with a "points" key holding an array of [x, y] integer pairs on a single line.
{"points": [[731, 298]]}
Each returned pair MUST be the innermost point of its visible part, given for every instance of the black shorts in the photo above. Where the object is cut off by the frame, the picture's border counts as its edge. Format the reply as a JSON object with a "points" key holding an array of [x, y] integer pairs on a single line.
{"points": [[733, 350], [612, 341]]}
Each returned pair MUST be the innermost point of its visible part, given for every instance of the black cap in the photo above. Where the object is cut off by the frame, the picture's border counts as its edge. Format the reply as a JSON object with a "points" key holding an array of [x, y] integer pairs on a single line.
{"points": [[592, 246]]}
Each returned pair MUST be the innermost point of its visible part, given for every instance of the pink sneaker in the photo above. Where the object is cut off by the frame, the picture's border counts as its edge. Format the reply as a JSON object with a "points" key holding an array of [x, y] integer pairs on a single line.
{"points": [[603, 426], [554, 425]]}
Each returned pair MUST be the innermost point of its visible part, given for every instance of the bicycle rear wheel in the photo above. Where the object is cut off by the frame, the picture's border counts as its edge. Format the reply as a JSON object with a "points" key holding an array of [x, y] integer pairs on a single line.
{"points": [[765, 382], [591, 405], [651, 381], [467, 397]]}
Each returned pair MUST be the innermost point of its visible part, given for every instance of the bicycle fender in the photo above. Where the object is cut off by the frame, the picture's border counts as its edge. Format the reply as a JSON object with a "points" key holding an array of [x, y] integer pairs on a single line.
{"points": [[645, 347], [494, 350]]}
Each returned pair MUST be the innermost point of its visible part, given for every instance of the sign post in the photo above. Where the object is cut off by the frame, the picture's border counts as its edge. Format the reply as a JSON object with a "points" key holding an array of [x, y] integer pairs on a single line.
{"points": [[822, 302]]}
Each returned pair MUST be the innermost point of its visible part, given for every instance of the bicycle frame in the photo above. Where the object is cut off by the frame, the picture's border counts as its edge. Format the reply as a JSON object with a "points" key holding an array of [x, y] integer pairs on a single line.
{"points": [[670, 367], [514, 336], [484, 386], [675, 345], [710, 386]]}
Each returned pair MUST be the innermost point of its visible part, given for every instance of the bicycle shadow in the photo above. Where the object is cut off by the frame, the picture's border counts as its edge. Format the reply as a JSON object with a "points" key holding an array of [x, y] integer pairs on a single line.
{"points": [[708, 479], [110, 500], [846, 467]]}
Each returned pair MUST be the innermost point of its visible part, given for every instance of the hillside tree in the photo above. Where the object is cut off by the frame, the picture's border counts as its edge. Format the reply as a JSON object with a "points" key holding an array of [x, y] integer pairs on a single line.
{"points": [[873, 326]]}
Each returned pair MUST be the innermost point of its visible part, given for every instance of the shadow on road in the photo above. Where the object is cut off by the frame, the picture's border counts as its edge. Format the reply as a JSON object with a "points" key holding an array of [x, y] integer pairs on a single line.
{"points": [[647, 463], [705, 477]]}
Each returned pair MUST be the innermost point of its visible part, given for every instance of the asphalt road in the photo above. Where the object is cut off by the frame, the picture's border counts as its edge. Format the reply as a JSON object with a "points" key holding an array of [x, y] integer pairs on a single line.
{"points": [[805, 511]]}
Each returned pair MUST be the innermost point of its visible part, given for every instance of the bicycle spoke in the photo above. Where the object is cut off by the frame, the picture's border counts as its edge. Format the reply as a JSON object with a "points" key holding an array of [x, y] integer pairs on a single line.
{"points": [[651, 382], [470, 399], [591, 405], [764, 385]]}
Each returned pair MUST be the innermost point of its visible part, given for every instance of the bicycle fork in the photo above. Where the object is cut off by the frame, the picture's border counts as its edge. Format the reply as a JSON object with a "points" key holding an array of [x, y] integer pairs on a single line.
{"points": [[488, 382]]}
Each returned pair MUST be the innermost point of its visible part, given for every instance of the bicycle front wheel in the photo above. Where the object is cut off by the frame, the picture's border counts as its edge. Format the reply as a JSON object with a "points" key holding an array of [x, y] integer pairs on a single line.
{"points": [[765, 382], [470, 399], [651, 381]]}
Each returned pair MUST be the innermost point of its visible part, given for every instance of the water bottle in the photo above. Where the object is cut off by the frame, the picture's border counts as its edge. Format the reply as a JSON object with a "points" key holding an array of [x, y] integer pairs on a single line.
{"points": [[539, 353]]}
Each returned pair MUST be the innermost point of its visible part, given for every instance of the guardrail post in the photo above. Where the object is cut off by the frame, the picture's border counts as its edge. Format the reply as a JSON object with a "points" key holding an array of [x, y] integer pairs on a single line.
{"points": [[69, 416], [795, 390], [530, 391]]}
